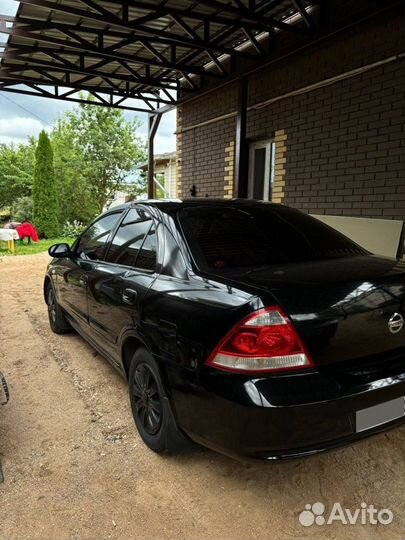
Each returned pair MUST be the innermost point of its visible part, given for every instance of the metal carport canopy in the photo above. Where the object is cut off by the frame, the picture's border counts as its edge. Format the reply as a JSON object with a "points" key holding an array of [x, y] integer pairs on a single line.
{"points": [[140, 55]]}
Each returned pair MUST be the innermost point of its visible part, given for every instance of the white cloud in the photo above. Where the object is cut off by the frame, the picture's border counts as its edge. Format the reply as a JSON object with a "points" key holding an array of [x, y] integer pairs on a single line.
{"points": [[18, 128], [164, 143], [165, 139], [21, 115]]}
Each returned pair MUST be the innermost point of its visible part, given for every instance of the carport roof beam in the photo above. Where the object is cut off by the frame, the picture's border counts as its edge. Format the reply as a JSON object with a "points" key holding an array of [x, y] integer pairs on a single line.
{"points": [[137, 48]]}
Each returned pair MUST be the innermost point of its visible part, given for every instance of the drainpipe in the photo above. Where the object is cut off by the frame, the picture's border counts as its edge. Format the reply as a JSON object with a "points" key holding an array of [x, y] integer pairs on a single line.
{"points": [[241, 147], [153, 123]]}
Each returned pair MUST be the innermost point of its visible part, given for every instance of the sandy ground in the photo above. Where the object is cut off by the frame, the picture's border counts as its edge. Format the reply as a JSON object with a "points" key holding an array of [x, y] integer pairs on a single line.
{"points": [[75, 466]]}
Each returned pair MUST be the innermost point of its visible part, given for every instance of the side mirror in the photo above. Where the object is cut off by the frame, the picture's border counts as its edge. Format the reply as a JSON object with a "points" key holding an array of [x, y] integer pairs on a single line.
{"points": [[60, 251]]}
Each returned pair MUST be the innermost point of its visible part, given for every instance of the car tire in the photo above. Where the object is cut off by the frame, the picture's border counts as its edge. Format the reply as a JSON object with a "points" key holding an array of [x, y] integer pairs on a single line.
{"points": [[57, 319], [151, 408]]}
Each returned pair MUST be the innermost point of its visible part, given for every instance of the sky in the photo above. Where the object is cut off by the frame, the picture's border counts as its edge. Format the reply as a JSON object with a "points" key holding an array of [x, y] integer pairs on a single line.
{"points": [[22, 116]]}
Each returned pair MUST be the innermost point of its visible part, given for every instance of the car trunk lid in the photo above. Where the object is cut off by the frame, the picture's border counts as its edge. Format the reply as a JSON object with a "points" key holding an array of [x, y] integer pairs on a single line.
{"points": [[344, 309]]}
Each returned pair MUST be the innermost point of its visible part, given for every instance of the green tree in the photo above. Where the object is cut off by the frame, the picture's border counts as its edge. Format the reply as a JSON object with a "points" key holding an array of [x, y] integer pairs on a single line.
{"points": [[22, 209], [110, 148], [137, 186], [44, 192], [16, 171], [76, 201], [96, 153]]}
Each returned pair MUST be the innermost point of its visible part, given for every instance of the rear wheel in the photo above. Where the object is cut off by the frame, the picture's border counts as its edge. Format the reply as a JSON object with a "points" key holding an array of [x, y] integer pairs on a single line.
{"points": [[150, 406], [57, 320]]}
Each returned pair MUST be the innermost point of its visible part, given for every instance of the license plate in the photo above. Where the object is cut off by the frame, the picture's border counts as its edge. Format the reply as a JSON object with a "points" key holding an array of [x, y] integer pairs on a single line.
{"points": [[380, 414]]}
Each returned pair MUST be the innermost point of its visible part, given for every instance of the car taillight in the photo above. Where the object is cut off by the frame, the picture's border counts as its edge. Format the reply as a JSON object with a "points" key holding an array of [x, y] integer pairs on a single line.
{"points": [[266, 341]]}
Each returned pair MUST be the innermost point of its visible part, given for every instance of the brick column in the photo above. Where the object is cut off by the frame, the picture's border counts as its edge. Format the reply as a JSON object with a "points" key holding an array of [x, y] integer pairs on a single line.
{"points": [[229, 170], [179, 137], [280, 138]]}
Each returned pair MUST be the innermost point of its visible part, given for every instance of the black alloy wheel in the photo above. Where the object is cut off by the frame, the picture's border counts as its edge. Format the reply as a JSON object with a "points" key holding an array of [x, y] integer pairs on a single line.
{"points": [[151, 406], [57, 320], [148, 404], [51, 306]]}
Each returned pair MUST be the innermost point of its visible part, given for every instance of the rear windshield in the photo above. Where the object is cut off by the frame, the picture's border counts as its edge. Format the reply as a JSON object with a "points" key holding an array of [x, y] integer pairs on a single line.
{"points": [[259, 235]]}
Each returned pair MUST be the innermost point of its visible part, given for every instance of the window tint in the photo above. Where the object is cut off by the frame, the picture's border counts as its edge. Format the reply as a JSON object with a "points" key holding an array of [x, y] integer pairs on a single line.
{"points": [[135, 214], [257, 235], [93, 240], [128, 239], [147, 255]]}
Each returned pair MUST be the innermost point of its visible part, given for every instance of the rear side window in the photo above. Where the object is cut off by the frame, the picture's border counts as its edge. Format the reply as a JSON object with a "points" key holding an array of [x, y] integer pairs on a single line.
{"points": [[257, 235], [92, 242], [147, 255], [134, 243]]}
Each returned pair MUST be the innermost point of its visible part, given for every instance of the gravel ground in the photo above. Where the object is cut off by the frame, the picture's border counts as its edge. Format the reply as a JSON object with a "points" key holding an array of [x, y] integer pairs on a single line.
{"points": [[75, 467]]}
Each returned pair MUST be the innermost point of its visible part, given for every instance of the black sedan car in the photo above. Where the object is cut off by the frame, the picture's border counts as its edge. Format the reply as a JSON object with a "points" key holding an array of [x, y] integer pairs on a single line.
{"points": [[248, 327]]}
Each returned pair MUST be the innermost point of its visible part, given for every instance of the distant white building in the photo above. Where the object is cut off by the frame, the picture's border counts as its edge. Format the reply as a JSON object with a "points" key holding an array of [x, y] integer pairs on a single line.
{"points": [[165, 178], [120, 197], [165, 173]]}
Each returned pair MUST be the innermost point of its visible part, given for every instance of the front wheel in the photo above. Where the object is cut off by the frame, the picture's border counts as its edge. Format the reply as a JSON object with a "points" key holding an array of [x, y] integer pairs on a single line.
{"points": [[57, 320], [150, 406]]}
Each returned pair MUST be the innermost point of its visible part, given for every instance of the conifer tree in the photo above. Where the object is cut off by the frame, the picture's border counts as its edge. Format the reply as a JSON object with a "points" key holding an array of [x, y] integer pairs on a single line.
{"points": [[44, 192]]}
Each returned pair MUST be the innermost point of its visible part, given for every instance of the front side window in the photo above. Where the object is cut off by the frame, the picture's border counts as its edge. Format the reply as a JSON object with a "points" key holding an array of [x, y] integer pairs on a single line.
{"points": [[92, 242], [259, 235], [134, 243]]}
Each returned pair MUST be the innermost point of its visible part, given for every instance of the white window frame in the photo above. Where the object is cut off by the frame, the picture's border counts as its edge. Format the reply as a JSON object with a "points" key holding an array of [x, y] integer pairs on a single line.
{"points": [[268, 145]]}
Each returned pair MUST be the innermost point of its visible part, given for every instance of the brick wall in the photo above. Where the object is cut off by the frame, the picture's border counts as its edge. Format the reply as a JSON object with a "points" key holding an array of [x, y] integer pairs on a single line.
{"points": [[344, 144], [203, 153]]}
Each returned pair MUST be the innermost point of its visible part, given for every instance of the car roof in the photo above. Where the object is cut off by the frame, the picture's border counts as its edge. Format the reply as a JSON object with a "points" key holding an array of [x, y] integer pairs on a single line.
{"points": [[170, 205]]}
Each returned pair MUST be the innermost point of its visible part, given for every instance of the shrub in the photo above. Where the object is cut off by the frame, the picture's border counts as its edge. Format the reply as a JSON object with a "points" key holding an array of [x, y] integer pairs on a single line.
{"points": [[72, 229]]}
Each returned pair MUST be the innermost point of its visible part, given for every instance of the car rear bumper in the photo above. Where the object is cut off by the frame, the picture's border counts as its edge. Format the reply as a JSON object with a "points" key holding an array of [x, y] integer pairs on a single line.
{"points": [[281, 417], [271, 455]]}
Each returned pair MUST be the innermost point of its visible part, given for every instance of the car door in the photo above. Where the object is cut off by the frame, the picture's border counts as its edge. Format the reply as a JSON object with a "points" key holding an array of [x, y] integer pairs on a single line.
{"points": [[73, 283], [118, 284]]}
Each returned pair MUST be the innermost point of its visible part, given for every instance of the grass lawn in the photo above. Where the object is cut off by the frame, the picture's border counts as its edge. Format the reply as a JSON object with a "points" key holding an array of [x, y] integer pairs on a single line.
{"points": [[34, 247]]}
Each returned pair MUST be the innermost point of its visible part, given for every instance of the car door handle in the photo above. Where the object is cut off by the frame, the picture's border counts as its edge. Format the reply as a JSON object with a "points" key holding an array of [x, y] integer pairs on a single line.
{"points": [[129, 296]]}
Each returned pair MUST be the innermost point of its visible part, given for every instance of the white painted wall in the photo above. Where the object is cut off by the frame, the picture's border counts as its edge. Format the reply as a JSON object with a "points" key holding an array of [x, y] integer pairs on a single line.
{"points": [[380, 236]]}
